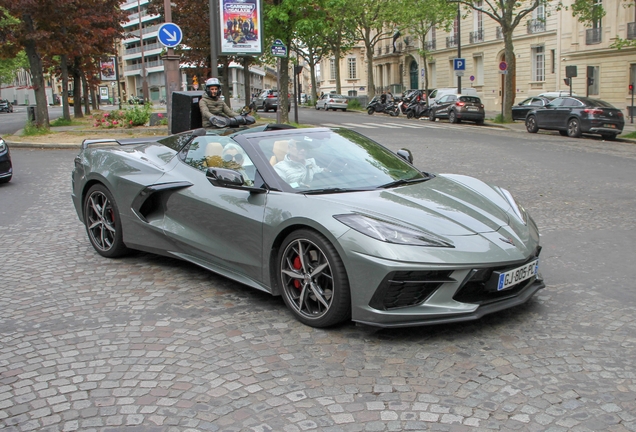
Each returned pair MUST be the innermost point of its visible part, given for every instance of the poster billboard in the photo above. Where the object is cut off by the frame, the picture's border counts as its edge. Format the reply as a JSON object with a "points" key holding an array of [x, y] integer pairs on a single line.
{"points": [[242, 24], [107, 69]]}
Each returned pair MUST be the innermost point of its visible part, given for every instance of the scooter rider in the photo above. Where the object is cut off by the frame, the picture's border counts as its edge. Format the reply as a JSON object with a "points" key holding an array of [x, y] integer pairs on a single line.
{"points": [[215, 113]]}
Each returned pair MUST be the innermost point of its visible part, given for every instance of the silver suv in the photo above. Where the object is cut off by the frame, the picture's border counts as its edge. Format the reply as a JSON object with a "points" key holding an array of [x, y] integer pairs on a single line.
{"points": [[267, 100]]}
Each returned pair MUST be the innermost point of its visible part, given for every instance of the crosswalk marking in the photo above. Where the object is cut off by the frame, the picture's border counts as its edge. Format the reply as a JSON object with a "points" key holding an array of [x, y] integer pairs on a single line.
{"points": [[384, 125], [361, 125], [427, 125], [333, 125], [407, 125]]}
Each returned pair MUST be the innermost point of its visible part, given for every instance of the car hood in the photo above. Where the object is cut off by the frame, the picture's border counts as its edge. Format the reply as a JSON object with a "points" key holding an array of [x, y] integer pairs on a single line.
{"points": [[447, 205]]}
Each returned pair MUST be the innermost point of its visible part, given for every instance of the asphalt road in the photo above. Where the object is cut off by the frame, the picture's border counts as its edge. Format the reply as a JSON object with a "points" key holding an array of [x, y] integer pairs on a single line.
{"points": [[153, 344]]}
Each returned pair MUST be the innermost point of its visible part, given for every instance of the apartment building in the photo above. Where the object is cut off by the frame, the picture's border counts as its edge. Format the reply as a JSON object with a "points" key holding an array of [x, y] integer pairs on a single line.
{"points": [[545, 43]]}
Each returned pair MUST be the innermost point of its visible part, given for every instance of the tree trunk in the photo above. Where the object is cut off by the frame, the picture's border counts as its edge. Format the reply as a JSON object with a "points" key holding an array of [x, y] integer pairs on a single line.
{"points": [[314, 93], [66, 113], [370, 82], [509, 94], [37, 77], [87, 105], [77, 90], [284, 89], [247, 80], [336, 54]]}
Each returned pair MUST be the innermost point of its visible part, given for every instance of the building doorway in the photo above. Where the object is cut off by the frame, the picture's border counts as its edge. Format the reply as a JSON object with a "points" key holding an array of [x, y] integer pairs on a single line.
{"points": [[413, 72]]}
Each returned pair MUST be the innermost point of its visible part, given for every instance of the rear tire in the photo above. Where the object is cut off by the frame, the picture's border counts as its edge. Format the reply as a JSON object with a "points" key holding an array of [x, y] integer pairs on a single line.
{"points": [[574, 128], [103, 222], [531, 124], [452, 117], [431, 116]]}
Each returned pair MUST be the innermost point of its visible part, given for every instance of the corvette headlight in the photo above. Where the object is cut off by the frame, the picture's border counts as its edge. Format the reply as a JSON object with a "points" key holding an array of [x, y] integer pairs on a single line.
{"points": [[517, 208], [391, 233], [3, 146]]}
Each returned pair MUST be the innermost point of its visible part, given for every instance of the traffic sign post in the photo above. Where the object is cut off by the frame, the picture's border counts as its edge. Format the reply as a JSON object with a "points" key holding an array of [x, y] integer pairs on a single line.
{"points": [[503, 68], [169, 35], [279, 49], [459, 66]]}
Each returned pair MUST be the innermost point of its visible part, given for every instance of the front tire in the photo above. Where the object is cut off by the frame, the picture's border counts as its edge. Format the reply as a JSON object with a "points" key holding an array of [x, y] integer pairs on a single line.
{"points": [[531, 124], [574, 128], [409, 114], [313, 280], [370, 111], [431, 116], [103, 222]]}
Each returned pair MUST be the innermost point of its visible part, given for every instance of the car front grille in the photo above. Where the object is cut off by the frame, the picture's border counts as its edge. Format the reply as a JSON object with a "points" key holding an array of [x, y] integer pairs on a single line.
{"points": [[408, 288], [474, 289], [4, 166]]}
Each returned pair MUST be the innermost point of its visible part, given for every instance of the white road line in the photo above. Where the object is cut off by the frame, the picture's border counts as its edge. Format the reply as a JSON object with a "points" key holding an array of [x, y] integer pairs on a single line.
{"points": [[382, 125], [331, 125], [361, 125], [407, 125]]}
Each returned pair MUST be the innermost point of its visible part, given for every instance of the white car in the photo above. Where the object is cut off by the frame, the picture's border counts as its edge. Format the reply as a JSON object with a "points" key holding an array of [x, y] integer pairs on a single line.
{"points": [[332, 101]]}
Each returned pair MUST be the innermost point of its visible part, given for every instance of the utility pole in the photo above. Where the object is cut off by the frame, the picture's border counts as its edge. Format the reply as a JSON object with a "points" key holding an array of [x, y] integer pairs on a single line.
{"points": [[214, 45], [144, 82], [459, 45]]}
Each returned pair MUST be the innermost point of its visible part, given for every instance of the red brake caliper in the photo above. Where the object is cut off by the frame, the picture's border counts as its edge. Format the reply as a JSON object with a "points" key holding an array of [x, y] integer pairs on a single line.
{"points": [[297, 266]]}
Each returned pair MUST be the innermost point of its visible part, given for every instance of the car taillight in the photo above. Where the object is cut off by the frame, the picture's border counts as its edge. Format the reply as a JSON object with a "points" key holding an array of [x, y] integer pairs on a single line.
{"points": [[459, 103], [482, 105], [593, 111], [270, 96], [620, 114]]}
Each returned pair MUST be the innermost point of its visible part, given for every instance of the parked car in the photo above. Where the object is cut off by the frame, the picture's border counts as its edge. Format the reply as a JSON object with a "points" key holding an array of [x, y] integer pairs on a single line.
{"points": [[558, 93], [303, 98], [439, 92], [332, 101], [6, 106], [520, 110], [267, 100], [6, 167], [458, 107], [574, 116], [372, 239]]}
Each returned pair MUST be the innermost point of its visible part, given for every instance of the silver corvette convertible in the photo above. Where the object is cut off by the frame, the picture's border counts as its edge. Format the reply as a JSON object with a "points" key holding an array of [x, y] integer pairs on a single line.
{"points": [[340, 226]]}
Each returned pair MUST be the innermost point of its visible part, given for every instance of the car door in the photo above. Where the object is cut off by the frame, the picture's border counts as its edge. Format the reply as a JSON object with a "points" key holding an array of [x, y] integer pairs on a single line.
{"points": [[218, 226], [562, 113], [519, 111], [546, 115], [445, 103]]}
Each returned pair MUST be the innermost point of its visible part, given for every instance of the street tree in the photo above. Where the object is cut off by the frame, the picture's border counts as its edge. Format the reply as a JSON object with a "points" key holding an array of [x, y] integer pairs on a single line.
{"points": [[311, 46], [339, 33], [9, 67], [371, 18], [419, 17], [508, 14]]}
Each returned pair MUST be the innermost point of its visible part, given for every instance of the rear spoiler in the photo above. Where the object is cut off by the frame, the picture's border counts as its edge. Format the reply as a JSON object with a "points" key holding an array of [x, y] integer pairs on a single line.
{"points": [[104, 141]]}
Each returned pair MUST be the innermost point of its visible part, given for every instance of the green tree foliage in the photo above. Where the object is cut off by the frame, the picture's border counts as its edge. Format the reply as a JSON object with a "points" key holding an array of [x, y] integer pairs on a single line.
{"points": [[9, 67], [418, 17]]}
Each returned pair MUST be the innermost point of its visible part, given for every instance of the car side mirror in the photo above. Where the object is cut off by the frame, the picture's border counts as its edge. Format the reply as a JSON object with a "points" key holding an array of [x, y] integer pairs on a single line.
{"points": [[228, 178], [405, 154]]}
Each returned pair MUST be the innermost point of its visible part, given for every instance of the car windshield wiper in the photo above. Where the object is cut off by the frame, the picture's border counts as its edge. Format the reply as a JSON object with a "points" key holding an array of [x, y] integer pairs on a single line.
{"points": [[331, 190], [401, 182]]}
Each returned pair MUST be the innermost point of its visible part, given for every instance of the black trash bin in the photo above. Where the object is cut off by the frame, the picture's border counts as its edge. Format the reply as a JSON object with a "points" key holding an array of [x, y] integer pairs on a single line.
{"points": [[185, 111], [31, 114]]}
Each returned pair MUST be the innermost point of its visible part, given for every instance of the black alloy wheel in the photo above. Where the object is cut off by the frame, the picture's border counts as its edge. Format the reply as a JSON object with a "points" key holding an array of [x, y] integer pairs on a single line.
{"points": [[452, 117], [431, 116], [313, 279], [370, 110], [103, 222]]}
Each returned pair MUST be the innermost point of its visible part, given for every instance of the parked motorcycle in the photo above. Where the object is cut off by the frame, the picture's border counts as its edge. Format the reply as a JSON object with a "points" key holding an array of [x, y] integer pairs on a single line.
{"points": [[375, 105], [417, 109]]}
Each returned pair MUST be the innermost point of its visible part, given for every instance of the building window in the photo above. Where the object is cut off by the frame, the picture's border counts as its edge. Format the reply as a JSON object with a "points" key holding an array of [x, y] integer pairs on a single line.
{"points": [[332, 69], [553, 64], [352, 68], [478, 61], [593, 72], [538, 63]]}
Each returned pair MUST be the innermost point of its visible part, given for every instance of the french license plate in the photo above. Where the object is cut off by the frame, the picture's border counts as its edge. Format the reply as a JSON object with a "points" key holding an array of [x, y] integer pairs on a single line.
{"points": [[610, 126], [513, 277], [471, 108]]}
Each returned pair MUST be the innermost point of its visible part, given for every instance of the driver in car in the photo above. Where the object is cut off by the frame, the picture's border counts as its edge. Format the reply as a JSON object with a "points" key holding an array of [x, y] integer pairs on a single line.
{"points": [[296, 169]]}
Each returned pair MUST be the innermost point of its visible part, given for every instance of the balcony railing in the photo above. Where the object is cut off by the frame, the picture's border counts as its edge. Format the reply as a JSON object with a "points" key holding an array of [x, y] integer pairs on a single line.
{"points": [[430, 45], [476, 36], [451, 41], [499, 33], [387, 49], [593, 36], [147, 47], [536, 26], [148, 65], [631, 30]]}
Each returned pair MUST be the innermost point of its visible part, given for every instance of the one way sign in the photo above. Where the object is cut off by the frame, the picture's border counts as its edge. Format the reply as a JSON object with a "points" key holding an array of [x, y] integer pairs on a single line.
{"points": [[169, 35]]}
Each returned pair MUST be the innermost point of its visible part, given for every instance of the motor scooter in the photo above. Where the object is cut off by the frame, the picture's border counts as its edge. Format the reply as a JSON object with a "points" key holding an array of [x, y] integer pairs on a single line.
{"points": [[375, 105], [417, 109]]}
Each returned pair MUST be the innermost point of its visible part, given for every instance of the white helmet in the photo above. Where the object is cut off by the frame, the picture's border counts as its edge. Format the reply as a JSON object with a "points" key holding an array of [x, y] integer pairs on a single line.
{"points": [[213, 82]]}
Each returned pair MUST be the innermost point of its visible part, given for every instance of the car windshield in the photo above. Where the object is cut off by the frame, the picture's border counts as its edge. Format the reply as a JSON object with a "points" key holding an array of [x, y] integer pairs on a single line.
{"points": [[337, 160], [598, 103], [471, 99]]}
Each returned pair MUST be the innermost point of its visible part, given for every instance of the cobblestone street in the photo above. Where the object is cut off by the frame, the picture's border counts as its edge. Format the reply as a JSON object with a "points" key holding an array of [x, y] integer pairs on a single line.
{"points": [[147, 343]]}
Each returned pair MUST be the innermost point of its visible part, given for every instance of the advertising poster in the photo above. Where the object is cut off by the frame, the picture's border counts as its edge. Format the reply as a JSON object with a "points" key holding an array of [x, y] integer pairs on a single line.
{"points": [[103, 93], [107, 69], [241, 22]]}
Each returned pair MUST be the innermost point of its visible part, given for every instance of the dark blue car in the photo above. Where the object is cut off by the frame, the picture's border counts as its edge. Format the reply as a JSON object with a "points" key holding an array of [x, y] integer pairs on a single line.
{"points": [[6, 169]]}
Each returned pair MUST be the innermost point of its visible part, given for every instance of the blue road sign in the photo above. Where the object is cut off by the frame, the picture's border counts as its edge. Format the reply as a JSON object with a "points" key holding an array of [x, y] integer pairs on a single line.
{"points": [[279, 49], [169, 35], [459, 64]]}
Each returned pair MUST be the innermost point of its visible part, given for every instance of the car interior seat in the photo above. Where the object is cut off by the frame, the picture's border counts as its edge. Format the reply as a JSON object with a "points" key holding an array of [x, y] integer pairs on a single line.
{"points": [[279, 150]]}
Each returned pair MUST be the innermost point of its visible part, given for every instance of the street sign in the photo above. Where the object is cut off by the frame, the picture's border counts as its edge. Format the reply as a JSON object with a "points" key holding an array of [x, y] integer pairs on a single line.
{"points": [[423, 72], [169, 35], [459, 64], [279, 49], [459, 73], [503, 66], [472, 77]]}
